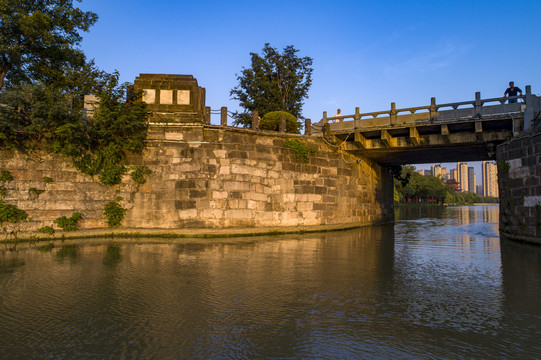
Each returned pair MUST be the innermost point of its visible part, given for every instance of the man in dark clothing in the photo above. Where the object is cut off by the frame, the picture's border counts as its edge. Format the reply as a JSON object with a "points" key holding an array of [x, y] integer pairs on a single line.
{"points": [[512, 91]]}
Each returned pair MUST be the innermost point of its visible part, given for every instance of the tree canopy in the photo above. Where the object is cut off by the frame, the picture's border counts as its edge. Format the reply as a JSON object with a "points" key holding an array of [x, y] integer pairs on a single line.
{"points": [[38, 40], [274, 82], [409, 184]]}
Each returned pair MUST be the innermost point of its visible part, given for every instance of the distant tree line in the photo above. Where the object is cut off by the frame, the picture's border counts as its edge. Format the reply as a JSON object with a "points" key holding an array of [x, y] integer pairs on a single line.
{"points": [[410, 186]]}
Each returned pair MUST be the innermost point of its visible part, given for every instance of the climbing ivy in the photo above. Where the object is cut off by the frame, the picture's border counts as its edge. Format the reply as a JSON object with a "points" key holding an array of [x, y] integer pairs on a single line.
{"points": [[46, 229], [11, 213], [139, 172], [69, 223], [96, 147], [36, 191], [504, 166], [302, 151], [5, 176], [114, 213]]}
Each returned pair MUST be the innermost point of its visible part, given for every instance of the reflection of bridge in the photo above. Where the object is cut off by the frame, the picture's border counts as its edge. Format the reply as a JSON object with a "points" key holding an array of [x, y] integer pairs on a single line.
{"points": [[461, 131]]}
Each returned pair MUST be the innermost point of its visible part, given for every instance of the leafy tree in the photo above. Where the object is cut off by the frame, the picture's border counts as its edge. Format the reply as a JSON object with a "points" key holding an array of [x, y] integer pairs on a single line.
{"points": [[40, 115], [38, 40], [274, 82], [427, 187]]}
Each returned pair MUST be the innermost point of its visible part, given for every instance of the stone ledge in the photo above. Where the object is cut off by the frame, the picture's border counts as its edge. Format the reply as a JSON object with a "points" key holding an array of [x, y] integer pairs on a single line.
{"points": [[521, 238], [194, 233]]}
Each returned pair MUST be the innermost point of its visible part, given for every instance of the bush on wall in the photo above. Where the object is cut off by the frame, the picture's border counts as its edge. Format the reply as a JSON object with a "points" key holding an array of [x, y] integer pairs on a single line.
{"points": [[271, 121]]}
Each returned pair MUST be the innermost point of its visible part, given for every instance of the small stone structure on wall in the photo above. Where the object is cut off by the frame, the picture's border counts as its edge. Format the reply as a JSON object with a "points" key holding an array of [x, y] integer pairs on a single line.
{"points": [[172, 98], [519, 175]]}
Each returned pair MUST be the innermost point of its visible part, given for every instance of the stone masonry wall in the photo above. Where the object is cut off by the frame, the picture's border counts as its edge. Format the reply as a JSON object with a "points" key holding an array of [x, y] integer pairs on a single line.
{"points": [[519, 174], [209, 177]]}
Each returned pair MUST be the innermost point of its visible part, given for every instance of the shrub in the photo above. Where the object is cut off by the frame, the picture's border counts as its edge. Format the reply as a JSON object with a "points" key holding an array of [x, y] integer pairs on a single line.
{"points": [[11, 213], [114, 214], [271, 121], [47, 180], [69, 223], [46, 229], [302, 151], [5, 176]]}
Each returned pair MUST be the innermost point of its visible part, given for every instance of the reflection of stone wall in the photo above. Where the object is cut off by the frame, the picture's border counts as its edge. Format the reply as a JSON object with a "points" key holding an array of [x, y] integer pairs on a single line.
{"points": [[519, 175], [210, 177]]}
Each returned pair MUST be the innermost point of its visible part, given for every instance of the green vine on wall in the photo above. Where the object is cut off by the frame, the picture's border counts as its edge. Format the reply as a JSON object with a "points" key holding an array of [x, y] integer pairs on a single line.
{"points": [[302, 151], [69, 223], [5, 176], [114, 213], [11, 213], [98, 147], [139, 172], [504, 166], [46, 229], [47, 180], [36, 191]]}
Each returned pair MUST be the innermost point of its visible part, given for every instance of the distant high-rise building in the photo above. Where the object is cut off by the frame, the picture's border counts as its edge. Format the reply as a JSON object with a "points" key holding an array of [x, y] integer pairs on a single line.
{"points": [[436, 171], [462, 172], [454, 175], [444, 174], [471, 179], [490, 179]]}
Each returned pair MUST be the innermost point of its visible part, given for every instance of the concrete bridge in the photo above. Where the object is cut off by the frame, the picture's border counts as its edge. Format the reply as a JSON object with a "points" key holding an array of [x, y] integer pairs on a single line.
{"points": [[452, 132]]}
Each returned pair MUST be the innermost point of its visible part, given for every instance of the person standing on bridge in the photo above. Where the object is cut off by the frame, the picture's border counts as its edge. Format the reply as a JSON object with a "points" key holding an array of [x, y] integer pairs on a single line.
{"points": [[512, 91], [335, 115]]}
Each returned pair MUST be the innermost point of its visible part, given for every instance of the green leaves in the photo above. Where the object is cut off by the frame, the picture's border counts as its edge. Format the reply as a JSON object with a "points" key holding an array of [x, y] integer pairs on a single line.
{"points": [[69, 223], [274, 82], [38, 39], [114, 213], [11, 213], [43, 114]]}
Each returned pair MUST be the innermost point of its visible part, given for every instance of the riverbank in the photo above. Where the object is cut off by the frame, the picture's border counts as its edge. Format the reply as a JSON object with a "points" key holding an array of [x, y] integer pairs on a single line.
{"points": [[438, 205], [134, 233]]}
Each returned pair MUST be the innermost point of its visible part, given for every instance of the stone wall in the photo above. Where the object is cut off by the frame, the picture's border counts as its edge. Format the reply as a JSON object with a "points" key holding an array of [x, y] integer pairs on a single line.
{"points": [[519, 174], [209, 177]]}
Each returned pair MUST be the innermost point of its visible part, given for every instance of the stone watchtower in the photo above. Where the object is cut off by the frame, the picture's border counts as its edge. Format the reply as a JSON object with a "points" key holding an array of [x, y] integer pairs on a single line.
{"points": [[172, 98]]}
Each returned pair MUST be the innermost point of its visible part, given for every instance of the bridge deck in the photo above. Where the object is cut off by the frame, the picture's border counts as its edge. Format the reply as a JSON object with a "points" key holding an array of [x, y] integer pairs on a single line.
{"points": [[468, 131]]}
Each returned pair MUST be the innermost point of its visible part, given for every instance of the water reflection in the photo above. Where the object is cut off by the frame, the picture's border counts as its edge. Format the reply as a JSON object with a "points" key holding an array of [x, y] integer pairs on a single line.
{"points": [[430, 286]]}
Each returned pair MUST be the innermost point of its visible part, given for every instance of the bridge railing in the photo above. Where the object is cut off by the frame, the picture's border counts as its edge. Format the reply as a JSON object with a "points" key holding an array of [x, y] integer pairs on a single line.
{"points": [[433, 112]]}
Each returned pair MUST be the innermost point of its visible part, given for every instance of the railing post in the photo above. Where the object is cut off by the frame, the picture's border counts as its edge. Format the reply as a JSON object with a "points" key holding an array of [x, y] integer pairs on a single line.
{"points": [[207, 115], [478, 105], [307, 127], [392, 113], [433, 111], [223, 116], [356, 118], [282, 123], [325, 117], [532, 107], [255, 120]]}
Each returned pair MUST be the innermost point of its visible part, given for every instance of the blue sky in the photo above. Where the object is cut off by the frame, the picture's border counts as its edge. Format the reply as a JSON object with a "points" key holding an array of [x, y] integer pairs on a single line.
{"points": [[365, 53]]}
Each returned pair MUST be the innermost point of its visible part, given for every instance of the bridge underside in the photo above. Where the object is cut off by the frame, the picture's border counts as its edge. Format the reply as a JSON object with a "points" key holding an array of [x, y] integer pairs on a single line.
{"points": [[430, 142]]}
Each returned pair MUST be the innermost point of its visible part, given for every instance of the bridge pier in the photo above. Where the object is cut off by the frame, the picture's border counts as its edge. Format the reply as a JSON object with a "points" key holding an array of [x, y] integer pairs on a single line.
{"points": [[519, 177]]}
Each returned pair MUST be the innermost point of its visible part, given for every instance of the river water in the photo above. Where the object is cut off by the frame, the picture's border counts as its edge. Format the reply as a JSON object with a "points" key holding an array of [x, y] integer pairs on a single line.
{"points": [[437, 284]]}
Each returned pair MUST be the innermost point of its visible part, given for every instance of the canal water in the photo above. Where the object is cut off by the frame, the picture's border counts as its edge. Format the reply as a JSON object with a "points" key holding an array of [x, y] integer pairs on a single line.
{"points": [[437, 284]]}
